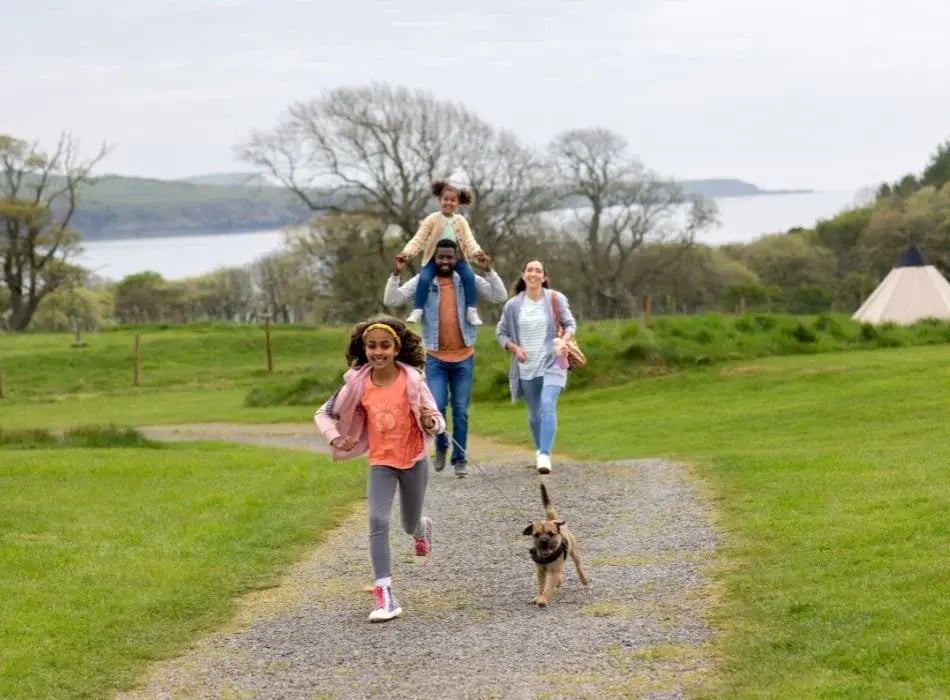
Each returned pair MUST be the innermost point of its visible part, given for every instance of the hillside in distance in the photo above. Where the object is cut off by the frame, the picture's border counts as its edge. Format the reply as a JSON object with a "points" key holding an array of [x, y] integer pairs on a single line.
{"points": [[129, 207], [118, 206]]}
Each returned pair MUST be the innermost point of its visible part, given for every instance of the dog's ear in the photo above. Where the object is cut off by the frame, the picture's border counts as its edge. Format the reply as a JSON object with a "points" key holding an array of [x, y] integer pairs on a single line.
{"points": [[558, 523], [527, 530]]}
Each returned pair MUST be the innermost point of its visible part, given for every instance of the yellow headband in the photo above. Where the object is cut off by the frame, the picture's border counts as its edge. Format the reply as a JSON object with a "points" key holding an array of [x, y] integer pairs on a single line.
{"points": [[383, 327]]}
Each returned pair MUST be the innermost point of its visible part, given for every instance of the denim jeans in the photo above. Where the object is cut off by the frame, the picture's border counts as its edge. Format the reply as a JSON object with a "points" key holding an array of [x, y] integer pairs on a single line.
{"points": [[452, 379], [542, 412], [427, 275]]}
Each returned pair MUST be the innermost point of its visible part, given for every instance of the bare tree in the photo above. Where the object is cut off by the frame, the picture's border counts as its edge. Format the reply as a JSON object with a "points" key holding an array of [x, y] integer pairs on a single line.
{"points": [[371, 150], [374, 151], [510, 184], [39, 193], [614, 206]]}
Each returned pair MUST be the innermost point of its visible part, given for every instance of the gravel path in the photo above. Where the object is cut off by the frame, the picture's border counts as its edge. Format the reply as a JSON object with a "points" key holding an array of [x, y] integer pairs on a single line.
{"points": [[469, 629]]}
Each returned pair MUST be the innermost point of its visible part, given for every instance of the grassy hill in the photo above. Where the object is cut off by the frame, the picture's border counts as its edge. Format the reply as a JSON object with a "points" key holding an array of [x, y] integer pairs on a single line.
{"points": [[126, 207], [118, 206]]}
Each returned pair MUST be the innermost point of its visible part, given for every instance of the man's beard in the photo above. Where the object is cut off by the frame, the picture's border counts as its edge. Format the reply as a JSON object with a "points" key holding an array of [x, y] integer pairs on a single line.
{"points": [[444, 271]]}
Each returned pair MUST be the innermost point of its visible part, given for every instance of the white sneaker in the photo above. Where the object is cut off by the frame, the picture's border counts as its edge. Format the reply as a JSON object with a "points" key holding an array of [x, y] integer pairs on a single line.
{"points": [[415, 316], [544, 463], [386, 606], [471, 314]]}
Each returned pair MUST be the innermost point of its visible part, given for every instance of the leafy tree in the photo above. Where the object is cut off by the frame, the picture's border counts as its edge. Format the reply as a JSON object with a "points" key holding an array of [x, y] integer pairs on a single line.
{"points": [[842, 235], [787, 261], [144, 297], [810, 298], [39, 193], [685, 280], [349, 258], [922, 218], [937, 171], [226, 294], [76, 309]]}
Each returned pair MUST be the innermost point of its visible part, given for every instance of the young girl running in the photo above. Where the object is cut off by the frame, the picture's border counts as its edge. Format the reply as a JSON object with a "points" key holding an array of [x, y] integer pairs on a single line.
{"points": [[445, 223], [385, 408]]}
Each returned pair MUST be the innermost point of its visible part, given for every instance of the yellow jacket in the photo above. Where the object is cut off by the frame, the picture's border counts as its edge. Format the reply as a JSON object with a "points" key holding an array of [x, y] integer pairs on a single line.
{"points": [[430, 233]]}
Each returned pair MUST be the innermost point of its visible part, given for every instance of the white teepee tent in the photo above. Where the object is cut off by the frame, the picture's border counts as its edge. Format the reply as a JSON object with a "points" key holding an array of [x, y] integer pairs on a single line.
{"points": [[912, 290]]}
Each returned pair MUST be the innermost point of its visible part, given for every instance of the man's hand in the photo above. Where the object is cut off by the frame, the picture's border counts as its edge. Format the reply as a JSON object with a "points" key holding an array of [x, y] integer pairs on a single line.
{"points": [[400, 264], [483, 260], [343, 442]]}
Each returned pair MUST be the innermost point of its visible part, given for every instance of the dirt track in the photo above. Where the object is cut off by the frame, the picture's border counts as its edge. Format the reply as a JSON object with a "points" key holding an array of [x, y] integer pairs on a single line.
{"points": [[469, 630]]}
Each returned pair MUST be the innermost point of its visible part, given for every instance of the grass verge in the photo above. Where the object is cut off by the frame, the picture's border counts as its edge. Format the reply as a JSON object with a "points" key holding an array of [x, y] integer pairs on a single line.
{"points": [[110, 559], [828, 475]]}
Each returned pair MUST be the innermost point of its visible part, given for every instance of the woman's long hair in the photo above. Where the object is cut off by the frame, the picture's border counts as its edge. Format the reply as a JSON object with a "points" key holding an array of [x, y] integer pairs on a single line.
{"points": [[520, 285]]}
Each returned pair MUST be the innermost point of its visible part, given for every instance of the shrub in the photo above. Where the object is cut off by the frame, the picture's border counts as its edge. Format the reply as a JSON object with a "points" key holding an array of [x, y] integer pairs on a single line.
{"points": [[307, 391], [803, 334], [88, 436]]}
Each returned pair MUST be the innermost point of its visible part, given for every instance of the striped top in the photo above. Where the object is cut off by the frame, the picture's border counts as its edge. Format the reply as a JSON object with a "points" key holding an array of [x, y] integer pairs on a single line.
{"points": [[532, 330]]}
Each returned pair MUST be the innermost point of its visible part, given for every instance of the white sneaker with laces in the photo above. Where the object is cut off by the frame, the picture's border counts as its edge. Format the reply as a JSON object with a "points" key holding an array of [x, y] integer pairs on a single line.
{"points": [[544, 463], [386, 606], [471, 314], [415, 316]]}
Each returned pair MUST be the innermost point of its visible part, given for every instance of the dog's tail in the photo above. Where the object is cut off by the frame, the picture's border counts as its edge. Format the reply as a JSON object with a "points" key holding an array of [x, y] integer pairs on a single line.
{"points": [[549, 511]]}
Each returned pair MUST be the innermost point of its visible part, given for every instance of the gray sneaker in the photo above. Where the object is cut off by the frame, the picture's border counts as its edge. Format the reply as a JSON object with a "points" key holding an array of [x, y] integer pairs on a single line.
{"points": [[438, 463], [461, 470]]}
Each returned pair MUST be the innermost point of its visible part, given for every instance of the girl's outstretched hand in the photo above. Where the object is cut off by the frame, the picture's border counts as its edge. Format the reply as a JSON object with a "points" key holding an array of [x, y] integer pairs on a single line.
{"points": [[343, 442], [428, 418]]}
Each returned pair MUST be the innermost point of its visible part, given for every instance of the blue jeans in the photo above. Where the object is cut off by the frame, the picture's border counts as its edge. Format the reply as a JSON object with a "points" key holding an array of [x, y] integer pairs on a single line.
{"points": [[427, 275], [453, 379], [542, 412]]}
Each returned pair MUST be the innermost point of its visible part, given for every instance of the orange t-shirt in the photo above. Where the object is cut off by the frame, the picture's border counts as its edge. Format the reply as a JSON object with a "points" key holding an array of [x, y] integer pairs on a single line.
{"points": [[452, 346], [395, 439]]}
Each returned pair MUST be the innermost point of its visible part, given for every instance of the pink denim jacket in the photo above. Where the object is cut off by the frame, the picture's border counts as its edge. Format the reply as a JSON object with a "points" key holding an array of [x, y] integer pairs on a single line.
{"points": [[343, 414]]}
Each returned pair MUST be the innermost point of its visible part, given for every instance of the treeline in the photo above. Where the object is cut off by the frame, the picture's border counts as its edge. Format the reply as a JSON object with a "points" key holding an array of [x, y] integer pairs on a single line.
{"points": [[371, 154]]}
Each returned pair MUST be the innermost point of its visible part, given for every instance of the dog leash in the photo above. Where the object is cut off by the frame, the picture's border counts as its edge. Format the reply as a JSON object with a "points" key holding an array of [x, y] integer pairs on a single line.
{"points": [[495, 486]]}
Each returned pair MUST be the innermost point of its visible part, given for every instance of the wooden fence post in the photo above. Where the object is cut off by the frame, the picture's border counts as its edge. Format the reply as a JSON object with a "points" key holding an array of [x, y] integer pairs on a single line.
{"points": [[270, 355], [647, 309], [137, 360], [741, 305], [3, 393]]}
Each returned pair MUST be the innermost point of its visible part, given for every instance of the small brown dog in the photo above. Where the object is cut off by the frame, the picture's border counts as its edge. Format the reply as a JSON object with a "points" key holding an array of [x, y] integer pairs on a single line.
{"points": [[553, 544]]}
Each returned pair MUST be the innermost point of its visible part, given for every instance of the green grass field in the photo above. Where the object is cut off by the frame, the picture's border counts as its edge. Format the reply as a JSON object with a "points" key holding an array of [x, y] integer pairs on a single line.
{"points": [[110, 558], [826, 468]]}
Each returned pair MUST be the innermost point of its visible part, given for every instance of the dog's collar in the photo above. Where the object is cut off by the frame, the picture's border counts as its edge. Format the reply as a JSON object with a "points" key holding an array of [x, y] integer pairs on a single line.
{"points": [[561, 551]]}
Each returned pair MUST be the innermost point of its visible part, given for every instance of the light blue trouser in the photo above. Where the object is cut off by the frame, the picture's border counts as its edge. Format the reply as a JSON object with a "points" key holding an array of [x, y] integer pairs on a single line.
{"points": [[380, 491], [542, 412]]}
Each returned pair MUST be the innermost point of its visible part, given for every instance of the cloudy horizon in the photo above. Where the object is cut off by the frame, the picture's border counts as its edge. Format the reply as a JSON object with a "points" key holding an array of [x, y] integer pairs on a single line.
{"points": [[788, 95]]}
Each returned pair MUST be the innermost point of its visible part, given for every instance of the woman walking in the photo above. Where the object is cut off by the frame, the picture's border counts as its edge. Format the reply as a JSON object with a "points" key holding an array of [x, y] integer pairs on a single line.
{"points": [[528, 330]]}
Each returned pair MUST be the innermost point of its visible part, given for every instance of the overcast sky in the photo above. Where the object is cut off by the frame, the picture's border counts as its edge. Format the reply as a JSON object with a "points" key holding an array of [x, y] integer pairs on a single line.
{"points": [[830, 94]]}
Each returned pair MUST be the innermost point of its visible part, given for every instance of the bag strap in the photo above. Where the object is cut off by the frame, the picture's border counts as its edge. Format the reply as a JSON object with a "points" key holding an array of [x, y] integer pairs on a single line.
{"points": [[559, 327]]}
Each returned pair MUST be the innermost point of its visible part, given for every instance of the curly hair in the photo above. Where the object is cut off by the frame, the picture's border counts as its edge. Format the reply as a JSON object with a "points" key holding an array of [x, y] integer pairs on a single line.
{"points": [[439, 186], [411, 350]]}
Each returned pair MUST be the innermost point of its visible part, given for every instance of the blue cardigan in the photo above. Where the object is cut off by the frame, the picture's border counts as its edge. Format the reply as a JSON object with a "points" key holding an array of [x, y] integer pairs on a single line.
{"points": [[507, 330]]}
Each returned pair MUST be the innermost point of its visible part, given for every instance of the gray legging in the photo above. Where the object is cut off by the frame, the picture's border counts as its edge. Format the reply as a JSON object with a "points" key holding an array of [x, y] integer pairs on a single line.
{"points": [[380, 490]]}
